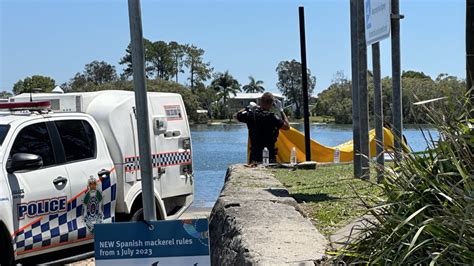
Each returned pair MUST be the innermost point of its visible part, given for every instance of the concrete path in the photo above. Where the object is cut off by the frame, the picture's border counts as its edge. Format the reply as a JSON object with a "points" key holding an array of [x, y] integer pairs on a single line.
{"points": [[254, 222]]}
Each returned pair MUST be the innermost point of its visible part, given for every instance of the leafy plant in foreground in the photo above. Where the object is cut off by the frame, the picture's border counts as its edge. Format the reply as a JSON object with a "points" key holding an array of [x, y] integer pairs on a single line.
{"points": [[427, 216]]}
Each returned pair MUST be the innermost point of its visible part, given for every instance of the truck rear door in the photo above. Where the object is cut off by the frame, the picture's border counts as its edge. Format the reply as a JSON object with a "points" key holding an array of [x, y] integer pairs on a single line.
{"points": [[174, 147]]}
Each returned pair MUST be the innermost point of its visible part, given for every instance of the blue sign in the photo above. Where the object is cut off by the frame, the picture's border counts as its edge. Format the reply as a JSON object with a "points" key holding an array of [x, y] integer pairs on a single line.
{"points": [[177, 242]]}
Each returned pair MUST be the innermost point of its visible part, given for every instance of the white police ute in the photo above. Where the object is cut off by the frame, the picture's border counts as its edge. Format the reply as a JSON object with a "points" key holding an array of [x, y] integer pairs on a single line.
{"points": [[69, 161]]}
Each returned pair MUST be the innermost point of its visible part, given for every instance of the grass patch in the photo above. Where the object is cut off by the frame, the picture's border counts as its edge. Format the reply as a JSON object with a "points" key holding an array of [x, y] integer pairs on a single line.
{"points": [[312, 119], [315, 119], [328, 195], [321, 119]]}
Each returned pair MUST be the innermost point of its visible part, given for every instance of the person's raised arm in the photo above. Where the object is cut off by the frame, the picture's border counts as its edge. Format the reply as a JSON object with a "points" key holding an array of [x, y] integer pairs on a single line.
{"points": [[279, 106], [286, 123], [235, 116], [241, 115]]}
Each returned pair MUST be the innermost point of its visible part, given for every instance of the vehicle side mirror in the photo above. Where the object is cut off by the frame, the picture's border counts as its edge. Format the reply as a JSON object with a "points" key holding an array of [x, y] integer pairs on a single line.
{"points": [[24, 161]]}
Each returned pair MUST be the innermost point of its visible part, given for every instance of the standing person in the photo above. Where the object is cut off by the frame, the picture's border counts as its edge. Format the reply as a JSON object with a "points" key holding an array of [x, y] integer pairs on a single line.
{"points": [[263, 126]]}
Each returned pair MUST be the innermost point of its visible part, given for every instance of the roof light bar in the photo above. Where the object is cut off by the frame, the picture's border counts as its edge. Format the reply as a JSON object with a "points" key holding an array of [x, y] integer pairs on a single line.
{"points": [[31, 106]]}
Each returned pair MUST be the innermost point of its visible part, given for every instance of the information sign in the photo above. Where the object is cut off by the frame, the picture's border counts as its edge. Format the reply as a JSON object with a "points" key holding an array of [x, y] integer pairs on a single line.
{"points": [[177, 242], [377, 20]]}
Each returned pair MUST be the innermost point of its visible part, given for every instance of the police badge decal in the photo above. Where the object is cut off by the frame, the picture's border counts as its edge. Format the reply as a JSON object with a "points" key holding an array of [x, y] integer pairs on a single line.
{"points": [[93, 209]]}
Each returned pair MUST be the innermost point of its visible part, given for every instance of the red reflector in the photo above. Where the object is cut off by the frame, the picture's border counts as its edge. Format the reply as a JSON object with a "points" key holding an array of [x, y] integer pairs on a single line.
{"points": [[26, 105]]}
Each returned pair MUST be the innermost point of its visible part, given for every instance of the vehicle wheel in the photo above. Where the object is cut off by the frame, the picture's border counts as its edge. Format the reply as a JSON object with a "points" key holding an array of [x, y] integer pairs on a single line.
{"points": [[6, 248], [138, 215]]}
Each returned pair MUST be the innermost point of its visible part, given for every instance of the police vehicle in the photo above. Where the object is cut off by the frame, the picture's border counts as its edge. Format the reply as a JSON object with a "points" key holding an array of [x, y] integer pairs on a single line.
{"points": [[69, 161]]}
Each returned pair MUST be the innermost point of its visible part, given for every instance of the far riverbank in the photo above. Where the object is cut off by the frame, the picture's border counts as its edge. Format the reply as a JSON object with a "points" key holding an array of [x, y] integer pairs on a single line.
{"points": [[312, 119]]}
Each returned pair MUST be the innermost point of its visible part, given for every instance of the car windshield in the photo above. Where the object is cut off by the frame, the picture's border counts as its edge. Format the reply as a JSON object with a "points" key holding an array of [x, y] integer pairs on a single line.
{"points": [[3, 132]]}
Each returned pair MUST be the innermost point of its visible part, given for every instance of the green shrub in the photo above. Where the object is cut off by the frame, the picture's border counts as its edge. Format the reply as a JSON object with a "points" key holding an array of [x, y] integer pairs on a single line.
{"points": [[427, 215]]}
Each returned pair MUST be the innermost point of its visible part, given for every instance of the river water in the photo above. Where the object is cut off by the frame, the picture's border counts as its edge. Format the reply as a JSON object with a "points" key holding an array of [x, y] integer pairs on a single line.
{"points": [[215, 147]]}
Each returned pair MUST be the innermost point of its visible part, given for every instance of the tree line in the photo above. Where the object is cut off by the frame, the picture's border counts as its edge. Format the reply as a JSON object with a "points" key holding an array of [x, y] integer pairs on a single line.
{"points": [[336, 100], [179, 68]]}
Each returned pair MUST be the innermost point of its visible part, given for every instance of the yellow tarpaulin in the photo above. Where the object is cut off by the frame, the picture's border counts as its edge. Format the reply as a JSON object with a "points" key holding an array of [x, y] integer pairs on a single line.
{"points": [[288, 139]]}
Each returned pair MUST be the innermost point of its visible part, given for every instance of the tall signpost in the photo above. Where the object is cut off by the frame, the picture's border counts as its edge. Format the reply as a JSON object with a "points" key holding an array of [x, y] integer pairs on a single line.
{"points": [[470, 46], [141, 103], [355, 90], [377, 28], [378, 111], [363, 103], [304, 74], [396, 80]]}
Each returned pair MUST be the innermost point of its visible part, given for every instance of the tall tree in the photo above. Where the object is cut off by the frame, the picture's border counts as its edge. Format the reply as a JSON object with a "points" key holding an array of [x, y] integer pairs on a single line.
{"points": [[254, 86], [99, 72], [166, 60], [127, 60], [414, 74], [45, 84], [79, 83], [225, 85], [178, 53], [199, 71], [162, 60], [336, 99], [291, 85]]}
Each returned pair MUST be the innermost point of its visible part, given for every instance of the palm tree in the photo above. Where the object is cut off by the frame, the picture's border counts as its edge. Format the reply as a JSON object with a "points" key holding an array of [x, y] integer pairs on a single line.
{"points": [[224, 84], [254, 86]]}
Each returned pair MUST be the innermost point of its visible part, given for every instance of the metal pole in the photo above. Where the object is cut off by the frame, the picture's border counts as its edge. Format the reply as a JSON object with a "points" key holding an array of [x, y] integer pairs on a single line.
{"points": [[141, 103], [470, 45], [396, 80], [378, 110], [363, 98], [355, 90], [304, 74]]}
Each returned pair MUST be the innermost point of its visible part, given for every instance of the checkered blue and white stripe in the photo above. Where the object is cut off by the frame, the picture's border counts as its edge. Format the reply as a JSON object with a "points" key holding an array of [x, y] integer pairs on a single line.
{"points": [[59, 228], [132, 164]]}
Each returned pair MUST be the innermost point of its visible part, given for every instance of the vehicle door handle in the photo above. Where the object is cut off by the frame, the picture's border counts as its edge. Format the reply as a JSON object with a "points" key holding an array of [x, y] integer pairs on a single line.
{"points": [[104, 173], [59, 180]]}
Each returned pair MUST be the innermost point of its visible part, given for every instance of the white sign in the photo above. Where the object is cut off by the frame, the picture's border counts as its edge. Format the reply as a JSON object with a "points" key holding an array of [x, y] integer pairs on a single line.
{"points": [[377, 20]]}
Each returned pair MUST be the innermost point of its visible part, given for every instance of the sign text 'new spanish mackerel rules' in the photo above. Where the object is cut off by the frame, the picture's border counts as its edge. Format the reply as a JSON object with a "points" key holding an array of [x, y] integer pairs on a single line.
{"points": [[179, 242], [377, 20]]}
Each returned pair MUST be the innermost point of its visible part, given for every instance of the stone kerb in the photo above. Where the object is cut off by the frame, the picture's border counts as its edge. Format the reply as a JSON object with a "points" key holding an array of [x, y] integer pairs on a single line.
{"points": [[254, 221]]}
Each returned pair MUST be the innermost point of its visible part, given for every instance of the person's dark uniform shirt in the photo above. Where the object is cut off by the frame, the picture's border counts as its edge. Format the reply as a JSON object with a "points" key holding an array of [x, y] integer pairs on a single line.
{"points": [[263, 129]]}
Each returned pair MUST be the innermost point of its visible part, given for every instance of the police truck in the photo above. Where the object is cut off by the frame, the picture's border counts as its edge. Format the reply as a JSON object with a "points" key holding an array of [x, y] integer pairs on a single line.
{"points": [[71, 160]]}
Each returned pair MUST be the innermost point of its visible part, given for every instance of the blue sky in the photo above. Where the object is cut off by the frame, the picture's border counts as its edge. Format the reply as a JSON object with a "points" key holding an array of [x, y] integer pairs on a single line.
{"points": [[57, 38]]}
